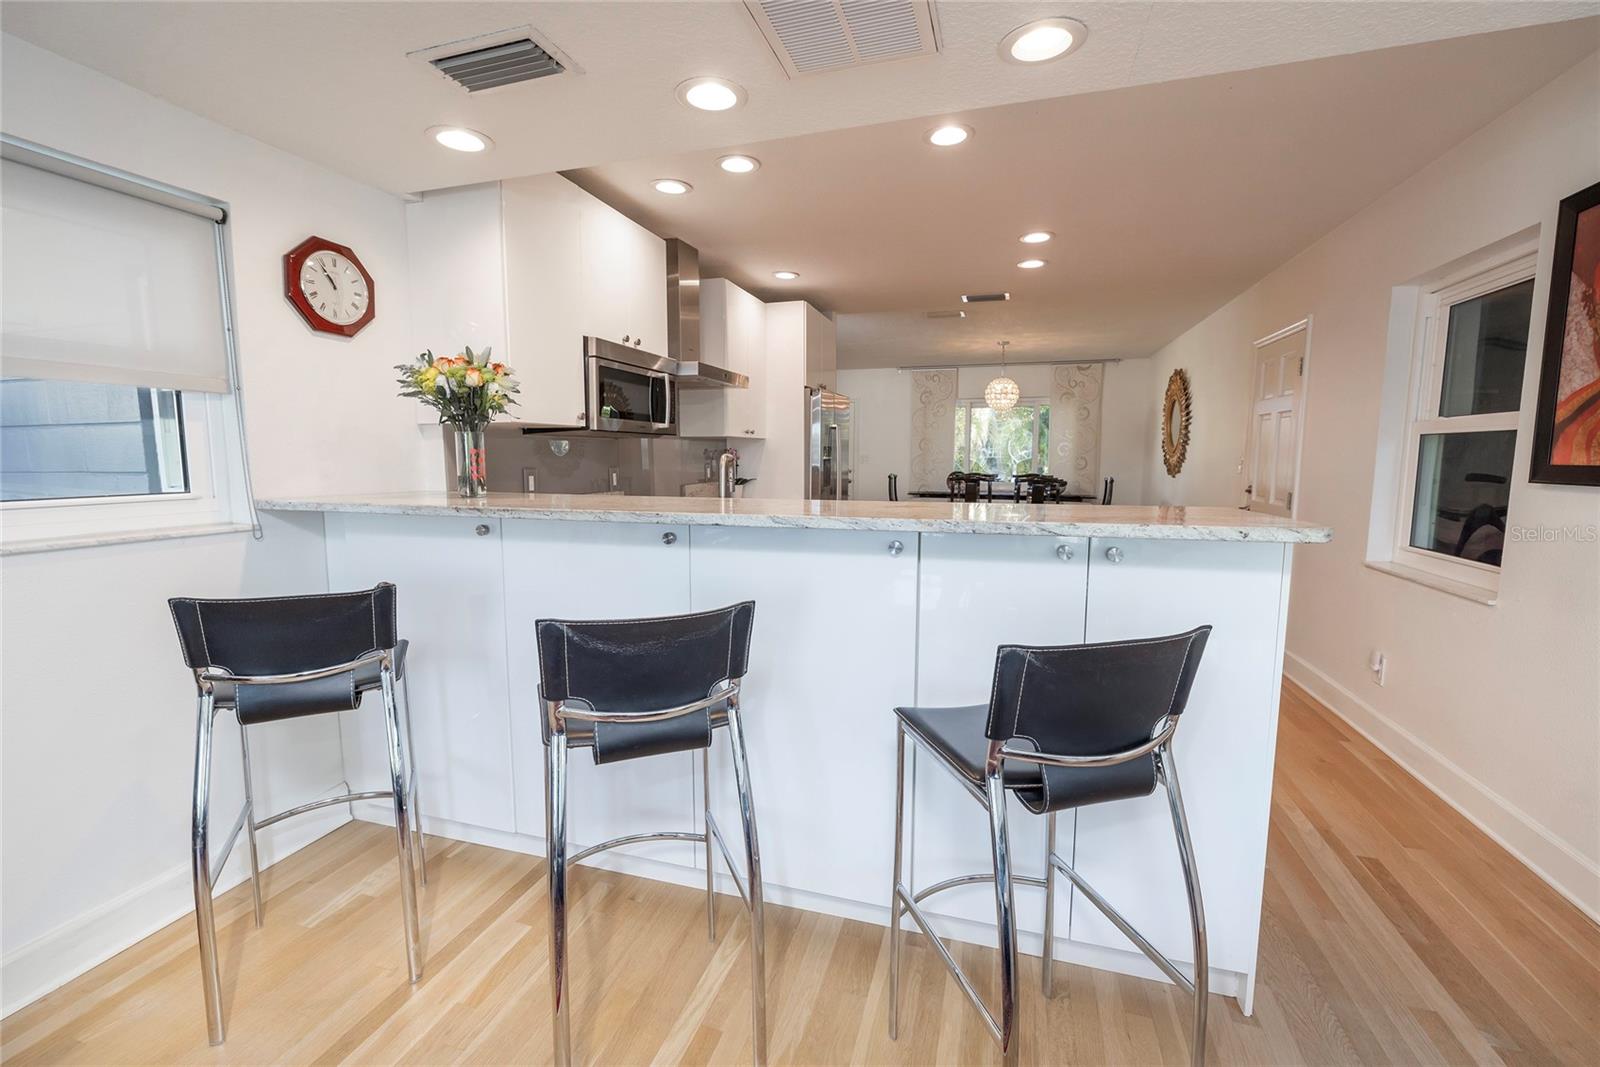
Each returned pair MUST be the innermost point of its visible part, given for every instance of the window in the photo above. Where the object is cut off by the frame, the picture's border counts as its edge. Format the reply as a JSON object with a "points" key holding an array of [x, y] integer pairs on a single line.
{"points": [[1462, 431], [1003, 443], [117, 410]]}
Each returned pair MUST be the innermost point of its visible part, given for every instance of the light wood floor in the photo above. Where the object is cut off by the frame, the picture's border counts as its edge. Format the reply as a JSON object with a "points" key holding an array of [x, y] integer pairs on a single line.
{"points": [[1394, 932]]}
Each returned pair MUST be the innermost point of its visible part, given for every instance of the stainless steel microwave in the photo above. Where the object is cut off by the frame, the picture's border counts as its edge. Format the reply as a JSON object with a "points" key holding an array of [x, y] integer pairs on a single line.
{"points": [[628, 390]]}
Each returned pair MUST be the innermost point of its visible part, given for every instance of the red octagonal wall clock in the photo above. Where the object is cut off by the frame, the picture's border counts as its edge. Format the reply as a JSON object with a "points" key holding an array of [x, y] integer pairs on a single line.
{"points": [[328, 286]]}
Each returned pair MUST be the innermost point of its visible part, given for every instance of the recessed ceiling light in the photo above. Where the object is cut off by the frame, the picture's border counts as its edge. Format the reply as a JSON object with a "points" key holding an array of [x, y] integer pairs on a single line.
{"points": [[739, 164], [952, 133], [1036, 237], [785, 275], [672, 186], [1043, 39], [460, 138], [1031, 264], [710, 94]]}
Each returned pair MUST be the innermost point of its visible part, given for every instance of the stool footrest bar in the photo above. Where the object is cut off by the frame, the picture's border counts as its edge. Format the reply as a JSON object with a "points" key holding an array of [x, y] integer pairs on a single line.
{"points": [[727, 858], [328, 802], [227, 849], [631, 839], [949, 961], [1157, 957], [973, 879]]}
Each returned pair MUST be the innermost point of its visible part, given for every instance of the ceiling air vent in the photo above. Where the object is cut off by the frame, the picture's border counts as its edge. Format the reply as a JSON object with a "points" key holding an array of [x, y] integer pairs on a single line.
{"points": [[496, 60], [984, 298], [815, 36]]}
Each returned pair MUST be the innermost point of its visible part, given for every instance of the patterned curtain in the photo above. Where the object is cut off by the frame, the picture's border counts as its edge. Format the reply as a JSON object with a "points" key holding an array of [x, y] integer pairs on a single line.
{"points": [[933, 427], [1075, 425]]}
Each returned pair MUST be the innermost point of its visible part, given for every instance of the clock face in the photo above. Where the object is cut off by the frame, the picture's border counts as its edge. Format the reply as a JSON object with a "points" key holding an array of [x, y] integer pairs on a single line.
{"points": [[334, 288], [330, 288]]}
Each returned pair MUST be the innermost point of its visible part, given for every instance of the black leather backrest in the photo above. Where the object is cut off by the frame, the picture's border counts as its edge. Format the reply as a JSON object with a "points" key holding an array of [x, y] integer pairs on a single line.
{"points": [[644, 664], [285, 635], [1086, 700]]}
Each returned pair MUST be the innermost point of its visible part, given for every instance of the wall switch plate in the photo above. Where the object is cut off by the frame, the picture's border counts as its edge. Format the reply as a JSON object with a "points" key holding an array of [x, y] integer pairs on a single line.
{"points": [[1379, 666], [528, 479]]}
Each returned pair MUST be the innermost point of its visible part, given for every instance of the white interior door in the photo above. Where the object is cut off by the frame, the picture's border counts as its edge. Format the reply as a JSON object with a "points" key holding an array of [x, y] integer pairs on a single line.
{"points": [[1277, 407]]}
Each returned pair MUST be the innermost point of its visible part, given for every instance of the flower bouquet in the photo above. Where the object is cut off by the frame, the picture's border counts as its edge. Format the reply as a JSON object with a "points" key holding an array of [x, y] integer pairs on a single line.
{"points": [[468, 391]]}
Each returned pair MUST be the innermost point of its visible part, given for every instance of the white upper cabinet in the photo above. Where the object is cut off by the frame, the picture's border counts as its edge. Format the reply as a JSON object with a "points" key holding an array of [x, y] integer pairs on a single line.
{"points": [[530, 266], [733, 335], [624, 279], [822, 352]]}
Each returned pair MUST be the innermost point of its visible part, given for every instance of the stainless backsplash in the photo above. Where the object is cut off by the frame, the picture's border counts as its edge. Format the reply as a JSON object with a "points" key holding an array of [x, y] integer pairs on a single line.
{"points": [[643, 466]]}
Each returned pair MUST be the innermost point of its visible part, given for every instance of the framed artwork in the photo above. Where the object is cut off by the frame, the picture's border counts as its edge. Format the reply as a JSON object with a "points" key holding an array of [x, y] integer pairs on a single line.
{"points": [[1566, 427]]}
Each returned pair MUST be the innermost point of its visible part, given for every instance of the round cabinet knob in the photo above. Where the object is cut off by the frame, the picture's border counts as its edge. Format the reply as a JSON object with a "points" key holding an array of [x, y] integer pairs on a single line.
{"points": [[896, 547], [626, 338], [669, 538], [582, 418], [482, 529], [637, 341], [1064, 553], [1114, 554]]}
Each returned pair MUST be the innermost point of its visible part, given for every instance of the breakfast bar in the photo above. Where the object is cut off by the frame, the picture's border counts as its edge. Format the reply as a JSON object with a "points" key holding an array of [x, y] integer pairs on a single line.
{"points": [[861, 606]]}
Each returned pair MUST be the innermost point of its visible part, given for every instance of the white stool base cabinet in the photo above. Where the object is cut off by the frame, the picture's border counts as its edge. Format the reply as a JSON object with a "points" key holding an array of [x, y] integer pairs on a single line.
{"points": [[847, 626]]}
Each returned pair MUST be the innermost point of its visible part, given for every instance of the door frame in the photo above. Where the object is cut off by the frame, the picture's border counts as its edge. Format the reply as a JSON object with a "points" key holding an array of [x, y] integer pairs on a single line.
{"points": [[1305, 406]]}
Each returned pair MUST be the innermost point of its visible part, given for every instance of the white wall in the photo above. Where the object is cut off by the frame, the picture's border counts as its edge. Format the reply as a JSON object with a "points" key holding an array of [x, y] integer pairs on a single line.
{"points": [[97, 710], [1497, 708], [883, 422]]}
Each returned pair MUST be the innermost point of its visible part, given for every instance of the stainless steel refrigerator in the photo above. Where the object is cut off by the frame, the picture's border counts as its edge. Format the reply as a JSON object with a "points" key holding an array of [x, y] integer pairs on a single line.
{"points": [[829, 452]]}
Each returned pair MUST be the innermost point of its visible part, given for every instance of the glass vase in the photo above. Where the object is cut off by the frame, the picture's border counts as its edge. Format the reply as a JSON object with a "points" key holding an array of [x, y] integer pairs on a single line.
{"points": [[472, 461]]}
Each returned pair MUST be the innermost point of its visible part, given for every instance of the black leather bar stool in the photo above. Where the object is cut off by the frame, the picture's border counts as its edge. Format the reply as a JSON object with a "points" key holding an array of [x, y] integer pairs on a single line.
{"points": [[642, 687], [1065, 727], [275, 658]]}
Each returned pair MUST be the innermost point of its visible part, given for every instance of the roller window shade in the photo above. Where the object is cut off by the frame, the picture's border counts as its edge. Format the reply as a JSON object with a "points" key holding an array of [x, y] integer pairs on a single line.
{"points": [[103, 286]]}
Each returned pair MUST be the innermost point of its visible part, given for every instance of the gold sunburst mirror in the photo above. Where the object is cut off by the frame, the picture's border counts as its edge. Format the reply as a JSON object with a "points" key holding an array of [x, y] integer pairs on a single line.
{"points": [[1176, 411]]}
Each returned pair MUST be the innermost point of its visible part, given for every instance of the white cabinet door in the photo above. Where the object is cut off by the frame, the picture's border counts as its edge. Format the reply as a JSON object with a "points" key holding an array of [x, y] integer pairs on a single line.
{"points": [[747, 354], [453, 241], [586, 570], [822, 357], [624, 276], [977, 593], [543, 251], [451, 606], [1224, 744], [832, 653]]}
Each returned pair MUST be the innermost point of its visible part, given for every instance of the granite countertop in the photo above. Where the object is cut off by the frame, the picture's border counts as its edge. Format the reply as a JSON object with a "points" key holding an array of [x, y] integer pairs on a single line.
{"points": [[912, 516]]}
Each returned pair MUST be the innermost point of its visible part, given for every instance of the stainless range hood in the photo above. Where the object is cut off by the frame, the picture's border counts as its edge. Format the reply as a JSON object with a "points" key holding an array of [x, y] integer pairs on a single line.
{"points": [[683, 324]]}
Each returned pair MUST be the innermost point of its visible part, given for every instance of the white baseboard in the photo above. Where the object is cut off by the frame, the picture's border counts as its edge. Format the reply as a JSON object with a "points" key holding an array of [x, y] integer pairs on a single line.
{"points": [[51, 961], [1128, 961], [1567, 871]]}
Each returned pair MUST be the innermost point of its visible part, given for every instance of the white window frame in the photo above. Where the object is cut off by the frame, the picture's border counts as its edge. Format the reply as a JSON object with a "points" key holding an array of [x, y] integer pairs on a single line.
{"points": [[220, 497], [213, 498], [1427, 382], [1037, 403]]}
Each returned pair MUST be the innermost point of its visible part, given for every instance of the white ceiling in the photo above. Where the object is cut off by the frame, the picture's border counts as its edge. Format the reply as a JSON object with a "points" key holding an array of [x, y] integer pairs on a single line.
{"points": [[1167, 200], [331, 81]]}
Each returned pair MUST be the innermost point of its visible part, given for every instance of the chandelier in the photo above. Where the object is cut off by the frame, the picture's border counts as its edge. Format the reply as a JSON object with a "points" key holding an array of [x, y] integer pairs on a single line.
{"points": [[1002, 394]]}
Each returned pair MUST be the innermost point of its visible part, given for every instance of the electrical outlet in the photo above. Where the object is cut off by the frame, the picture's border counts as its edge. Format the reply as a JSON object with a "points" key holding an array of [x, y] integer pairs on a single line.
{"points": [[1378, 664]]}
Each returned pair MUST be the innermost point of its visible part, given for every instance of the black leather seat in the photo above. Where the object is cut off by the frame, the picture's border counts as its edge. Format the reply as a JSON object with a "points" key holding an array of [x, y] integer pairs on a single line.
{"points": [[630, 688], [1065, 726], [957, 735], [274, 658]]}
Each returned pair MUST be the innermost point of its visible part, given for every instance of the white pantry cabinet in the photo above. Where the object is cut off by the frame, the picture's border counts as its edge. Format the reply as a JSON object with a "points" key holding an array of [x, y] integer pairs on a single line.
{"points": [[733, 334], [451, 606], [586, 570], [831, 654], [1224, 744], [975, 594], [531, 266]]}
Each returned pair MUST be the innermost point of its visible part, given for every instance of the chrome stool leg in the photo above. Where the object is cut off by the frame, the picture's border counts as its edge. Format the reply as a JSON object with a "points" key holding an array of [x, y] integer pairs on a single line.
{"points": [[412, 778], [402, 826], [250, 820], [705, 829], [1197, 917], [752, 851], [1047, 961], [555, 815], [210, 980], [894, 889], [1005, 916]]}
